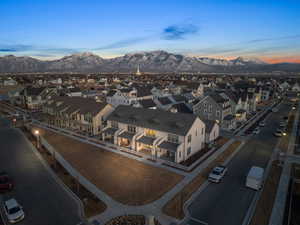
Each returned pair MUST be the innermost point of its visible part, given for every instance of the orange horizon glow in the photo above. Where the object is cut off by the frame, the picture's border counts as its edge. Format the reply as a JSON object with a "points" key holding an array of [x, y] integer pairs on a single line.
{"points": [[282, 59]]}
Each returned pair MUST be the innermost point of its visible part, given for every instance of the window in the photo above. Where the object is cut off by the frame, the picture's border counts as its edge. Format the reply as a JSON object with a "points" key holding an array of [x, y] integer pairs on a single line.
{"points": [[189, 150], [202, 131], [189, 138], [114, 124], [196, 132], [179, 154], [150, 133], [218, 113], [173, 138], [131, 129], [210, 108]]}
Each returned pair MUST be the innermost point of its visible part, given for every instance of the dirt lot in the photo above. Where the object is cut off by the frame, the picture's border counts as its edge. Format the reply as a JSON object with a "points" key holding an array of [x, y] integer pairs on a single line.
{"points": [[6, 89], [125, 180], [265, 203], [174, 207]]}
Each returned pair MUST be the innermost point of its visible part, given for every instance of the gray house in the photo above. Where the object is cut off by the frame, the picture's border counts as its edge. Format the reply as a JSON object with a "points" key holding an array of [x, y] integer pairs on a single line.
{"points": [[217, 108]]}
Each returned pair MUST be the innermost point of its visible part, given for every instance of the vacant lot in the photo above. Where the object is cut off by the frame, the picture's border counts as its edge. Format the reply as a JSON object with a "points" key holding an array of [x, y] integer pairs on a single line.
{"points": [[125, 180], [6, 89]]}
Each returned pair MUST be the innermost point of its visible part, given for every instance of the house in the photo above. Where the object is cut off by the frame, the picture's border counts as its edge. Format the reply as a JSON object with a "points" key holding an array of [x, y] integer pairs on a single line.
{"points": [[74, 92], [128, 96], [83, 115], [161, 134], [296, 87], [217, 108], [180, 108], [145, 103], [164, 103], [212, 131], [265, 94], [34, 97]]}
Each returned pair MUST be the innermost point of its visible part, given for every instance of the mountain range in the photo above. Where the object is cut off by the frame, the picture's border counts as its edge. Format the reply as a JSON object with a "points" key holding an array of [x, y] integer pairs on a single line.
{"points": [[153, 61]]}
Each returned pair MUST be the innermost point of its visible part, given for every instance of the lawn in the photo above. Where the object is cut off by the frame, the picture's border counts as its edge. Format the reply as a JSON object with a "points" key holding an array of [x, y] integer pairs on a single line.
{"points": [[126, 180]]}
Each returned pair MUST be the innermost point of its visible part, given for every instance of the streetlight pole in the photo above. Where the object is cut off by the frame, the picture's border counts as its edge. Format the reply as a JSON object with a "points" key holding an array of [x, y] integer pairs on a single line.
{"points": [[37, 134]]}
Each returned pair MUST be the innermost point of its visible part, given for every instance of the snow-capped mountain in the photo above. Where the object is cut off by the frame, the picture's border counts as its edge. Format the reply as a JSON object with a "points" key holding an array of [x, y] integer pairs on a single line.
{"points": [[153, 61]]}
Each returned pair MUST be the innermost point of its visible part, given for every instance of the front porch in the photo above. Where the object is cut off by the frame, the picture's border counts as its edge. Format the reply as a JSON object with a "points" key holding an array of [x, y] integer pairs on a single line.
{"points": [[167, 151], [125, 139], [108, 134]]}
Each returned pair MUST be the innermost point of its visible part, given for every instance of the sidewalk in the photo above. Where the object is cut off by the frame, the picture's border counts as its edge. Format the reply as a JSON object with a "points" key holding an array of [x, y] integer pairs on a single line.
{"points": [[277, 216]]}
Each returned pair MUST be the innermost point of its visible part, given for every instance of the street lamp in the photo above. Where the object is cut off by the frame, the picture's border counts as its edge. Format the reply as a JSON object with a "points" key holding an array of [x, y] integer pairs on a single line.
{"points": [[37, 134]]}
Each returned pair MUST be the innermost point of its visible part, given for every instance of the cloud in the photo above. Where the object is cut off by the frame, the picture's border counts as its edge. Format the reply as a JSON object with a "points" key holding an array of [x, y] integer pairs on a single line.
{"points": [[7, 50], [179, 32], [15, 48], [123, 43], [274, 39]]}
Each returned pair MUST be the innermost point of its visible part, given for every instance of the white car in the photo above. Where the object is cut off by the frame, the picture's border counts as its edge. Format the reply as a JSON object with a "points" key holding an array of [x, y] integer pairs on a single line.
{"points": [[217, 174], [13, 211], [262, 123], [256, 130], [278, 133]]}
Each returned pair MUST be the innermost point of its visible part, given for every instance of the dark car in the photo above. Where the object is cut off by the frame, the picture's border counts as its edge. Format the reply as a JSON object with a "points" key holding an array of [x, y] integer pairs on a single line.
{"points": [[6, 183]]}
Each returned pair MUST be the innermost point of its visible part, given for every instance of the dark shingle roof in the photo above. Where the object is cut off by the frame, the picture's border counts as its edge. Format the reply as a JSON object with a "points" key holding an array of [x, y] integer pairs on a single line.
{"points": [[176, 123], [182, 108], [147, 103], [164, 100]]}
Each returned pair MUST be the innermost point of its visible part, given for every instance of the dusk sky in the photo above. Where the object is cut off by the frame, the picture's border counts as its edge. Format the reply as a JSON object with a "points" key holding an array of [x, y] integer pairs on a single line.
{"points": [[49, 29]]}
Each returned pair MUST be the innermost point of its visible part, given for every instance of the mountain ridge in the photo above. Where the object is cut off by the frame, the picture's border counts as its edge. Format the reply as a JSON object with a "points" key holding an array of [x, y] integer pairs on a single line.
{"points": [[151, 61]]}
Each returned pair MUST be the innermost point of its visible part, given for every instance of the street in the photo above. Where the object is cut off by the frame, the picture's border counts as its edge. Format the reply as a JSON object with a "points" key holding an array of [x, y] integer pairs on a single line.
{"points": [[228, 202], [43, 199]]}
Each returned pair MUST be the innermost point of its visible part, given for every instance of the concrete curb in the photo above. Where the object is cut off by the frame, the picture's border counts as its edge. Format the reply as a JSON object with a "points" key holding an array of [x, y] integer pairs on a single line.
{"points": [[56, 178]]}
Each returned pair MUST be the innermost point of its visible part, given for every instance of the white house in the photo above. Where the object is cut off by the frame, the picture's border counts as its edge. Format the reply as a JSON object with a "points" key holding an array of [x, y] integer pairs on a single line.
{"points": [[170, 136]]}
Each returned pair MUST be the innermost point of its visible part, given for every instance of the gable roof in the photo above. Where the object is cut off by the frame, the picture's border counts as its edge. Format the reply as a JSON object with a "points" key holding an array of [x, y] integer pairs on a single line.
{"points": [[164, 100], [176, 123], [147, 103]]}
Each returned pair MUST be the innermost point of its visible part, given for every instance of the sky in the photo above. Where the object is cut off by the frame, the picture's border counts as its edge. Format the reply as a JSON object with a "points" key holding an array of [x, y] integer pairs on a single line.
{"points": [[48, 29]]}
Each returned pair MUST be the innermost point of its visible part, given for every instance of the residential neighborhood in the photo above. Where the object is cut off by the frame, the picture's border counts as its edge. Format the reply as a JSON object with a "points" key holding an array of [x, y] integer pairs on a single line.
{"points": [[149, 112], [179, 124]]}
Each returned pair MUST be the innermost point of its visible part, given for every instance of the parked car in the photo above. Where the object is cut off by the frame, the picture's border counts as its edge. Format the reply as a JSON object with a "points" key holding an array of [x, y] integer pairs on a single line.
{"points": [[278, 133], [254, 178], [262, 123], [6, 183], [13, 211], [256, 130], [217, 174], [275, 110]]}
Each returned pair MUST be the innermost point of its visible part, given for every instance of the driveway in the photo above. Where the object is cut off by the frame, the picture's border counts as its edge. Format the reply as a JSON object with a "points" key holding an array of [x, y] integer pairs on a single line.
{"points": [[44, 200], [228, 202]]}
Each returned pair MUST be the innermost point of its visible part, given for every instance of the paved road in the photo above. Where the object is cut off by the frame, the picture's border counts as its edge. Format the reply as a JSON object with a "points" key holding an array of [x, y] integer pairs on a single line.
{"points": [[44, 201], [228, 202]]}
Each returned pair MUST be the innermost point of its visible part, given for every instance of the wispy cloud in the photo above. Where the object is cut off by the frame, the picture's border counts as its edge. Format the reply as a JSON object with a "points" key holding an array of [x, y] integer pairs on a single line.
{"points": [[32, 48], [123, 43], [260, 46], [15, 48], [179, 32], [274, 39]]}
